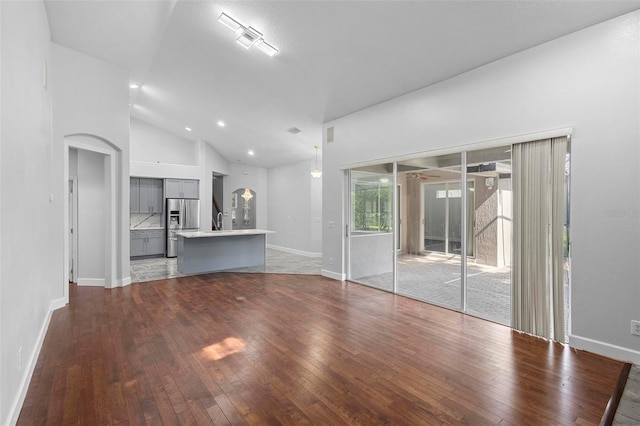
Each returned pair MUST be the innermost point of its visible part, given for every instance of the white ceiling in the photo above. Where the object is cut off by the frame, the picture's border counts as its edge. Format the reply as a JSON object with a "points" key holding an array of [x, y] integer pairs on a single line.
{"points": [[336, 57]]}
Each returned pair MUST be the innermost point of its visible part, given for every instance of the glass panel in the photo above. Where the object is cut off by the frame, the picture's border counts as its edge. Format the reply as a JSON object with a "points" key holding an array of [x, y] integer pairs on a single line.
{"points": [[470, 216], [243, 209], [454, 229], [428, 265], [489, 217], [371, 236], [435, 208]]}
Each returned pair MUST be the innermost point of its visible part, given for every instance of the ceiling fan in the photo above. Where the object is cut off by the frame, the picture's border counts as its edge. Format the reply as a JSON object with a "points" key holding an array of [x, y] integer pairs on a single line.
{"points": [[422, 176]]}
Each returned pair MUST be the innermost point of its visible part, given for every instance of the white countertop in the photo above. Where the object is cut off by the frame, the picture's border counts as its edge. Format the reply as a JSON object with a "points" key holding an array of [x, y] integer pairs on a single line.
{"points": [[149, 228], [230, 233]]}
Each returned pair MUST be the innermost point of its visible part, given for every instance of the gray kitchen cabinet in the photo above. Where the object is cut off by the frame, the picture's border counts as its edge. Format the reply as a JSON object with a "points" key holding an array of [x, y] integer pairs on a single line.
{"points": [[137, 247], [181, 188], [134, 195], [190, 189], [146, 242], [172, 188], [145, 195], [155, 241], [150, 195]]}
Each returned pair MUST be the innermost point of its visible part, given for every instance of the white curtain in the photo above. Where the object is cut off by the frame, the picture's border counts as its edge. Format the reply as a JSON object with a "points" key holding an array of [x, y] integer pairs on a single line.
{"points": [[538, 222]]}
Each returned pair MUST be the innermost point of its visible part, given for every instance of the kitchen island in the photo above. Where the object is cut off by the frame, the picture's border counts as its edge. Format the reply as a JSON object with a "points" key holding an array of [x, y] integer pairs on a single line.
{"points": [[201, 252]]}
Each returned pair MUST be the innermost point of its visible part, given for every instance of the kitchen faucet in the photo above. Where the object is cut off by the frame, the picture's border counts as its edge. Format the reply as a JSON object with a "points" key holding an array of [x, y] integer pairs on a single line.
{"points": [[219, 220]]}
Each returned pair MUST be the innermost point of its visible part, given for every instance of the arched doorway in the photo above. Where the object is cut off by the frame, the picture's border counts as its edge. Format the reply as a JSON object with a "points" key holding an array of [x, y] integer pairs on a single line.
{"points": [[98, 225]]}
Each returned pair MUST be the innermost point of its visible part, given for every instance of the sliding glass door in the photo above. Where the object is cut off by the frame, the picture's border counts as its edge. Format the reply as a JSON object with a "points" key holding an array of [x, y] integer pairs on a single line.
{"points": [[488, 278], [371, 237], [455, 248], [443, 217], [429, 263], [435, 217]]}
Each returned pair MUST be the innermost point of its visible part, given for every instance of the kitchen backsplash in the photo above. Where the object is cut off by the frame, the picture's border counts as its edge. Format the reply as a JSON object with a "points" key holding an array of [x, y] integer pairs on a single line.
{"points": [[145, 220]]}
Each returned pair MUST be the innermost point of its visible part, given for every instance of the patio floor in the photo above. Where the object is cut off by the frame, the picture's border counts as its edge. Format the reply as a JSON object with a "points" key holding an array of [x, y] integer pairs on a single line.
{"points": [[435, 278]]}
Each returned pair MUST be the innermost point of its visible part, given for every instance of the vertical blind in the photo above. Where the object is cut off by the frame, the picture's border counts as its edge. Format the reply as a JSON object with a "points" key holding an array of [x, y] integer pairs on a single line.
{"points": [[537, 304]]}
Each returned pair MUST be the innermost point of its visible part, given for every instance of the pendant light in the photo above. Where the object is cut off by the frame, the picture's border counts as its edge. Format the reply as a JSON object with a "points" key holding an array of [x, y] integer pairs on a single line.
{"points": [[247, 194], [316, 173]]}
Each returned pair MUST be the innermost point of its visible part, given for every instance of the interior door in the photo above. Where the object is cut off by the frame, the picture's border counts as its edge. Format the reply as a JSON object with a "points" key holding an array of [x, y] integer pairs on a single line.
{"points": [[72, 248], [73, 230]]}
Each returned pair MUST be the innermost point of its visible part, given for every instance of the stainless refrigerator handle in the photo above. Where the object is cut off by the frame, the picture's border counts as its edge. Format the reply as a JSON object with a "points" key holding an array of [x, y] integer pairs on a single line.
{"points": [[183, 213]]}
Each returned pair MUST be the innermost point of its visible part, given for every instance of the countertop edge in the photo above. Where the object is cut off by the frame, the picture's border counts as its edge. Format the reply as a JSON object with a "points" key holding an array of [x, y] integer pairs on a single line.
{"points": [[234, 233]]}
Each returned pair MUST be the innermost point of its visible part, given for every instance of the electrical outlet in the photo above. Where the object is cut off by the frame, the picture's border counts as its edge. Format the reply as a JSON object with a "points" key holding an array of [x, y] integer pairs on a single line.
{"points": [[331, 261], [635, 328], [20, 357]]}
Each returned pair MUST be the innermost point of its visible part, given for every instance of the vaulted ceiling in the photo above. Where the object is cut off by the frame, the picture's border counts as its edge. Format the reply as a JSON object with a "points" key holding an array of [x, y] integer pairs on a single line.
{"points": [[335, 58]]}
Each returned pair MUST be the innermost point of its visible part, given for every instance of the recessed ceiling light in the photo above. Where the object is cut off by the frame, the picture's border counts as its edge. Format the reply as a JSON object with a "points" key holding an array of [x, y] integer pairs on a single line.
{"points": [[188, 129], [221, 123], [250, 152], [133, 86], [247, 36]]}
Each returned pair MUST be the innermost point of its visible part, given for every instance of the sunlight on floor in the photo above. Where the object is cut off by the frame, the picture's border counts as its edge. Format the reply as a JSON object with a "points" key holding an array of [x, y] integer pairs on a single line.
{"points": [[229, 346]]}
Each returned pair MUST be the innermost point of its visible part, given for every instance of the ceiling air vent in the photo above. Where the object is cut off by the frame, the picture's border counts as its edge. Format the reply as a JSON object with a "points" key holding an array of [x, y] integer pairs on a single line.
{"points": [[293, 130], [329, 134]]}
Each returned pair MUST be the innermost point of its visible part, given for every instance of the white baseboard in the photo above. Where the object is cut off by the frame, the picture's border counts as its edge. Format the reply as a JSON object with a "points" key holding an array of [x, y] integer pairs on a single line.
{"points": [[91, 282], [333, 275], [124, 282], [16, 407], [294, 251], [604, 349], [57, 304]]}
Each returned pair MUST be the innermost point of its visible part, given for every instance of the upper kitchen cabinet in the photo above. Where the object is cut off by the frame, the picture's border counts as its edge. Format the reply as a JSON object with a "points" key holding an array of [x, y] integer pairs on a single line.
{"points": [[181, 188], [151, 195], [145, 195], [134, 195]]}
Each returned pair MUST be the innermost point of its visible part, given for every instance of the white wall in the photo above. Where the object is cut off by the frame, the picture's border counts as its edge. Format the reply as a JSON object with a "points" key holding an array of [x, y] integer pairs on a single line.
{"points": [[210, 161], [153, 145], [588, 80], [30, 260], [255, 178], [160, 154], [315, 236], [92, 205], [91, 107], [294, 208]]}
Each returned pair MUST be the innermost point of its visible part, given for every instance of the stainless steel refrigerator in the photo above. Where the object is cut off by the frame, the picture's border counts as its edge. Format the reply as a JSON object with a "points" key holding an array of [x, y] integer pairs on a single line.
{"points": [[182, 215]]}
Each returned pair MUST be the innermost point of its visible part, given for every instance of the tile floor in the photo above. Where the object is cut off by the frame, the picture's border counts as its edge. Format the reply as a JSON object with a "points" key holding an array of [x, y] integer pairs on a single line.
{"points": [[278, 262], [436, 279]]}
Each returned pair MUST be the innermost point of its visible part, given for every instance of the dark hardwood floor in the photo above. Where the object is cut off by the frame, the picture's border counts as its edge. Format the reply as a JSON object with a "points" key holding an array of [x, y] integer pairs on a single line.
{"points": [[291, 349]]}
